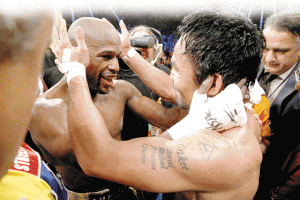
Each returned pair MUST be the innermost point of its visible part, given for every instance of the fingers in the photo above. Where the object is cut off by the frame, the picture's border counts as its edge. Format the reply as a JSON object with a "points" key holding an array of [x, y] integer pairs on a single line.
{"points": [[206, 85], [244, 89], [242, 83], [63, 34], [80, 38], [54, 41], [123, 27]]}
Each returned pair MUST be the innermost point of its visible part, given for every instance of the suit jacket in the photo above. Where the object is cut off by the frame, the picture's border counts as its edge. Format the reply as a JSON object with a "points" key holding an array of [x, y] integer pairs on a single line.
{"points": [[285, 121]]}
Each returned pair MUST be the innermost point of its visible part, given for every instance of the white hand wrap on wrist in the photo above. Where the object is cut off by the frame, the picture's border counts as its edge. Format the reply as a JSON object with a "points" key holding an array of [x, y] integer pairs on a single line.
{"points": [[130, 54], [72, 69], [78, 69], [222, 112]]}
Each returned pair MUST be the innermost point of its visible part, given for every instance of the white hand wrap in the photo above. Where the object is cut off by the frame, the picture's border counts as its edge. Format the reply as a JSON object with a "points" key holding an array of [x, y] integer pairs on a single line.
{"points": [[130, 54], [222, 112], [71, 69], [255, 93]]}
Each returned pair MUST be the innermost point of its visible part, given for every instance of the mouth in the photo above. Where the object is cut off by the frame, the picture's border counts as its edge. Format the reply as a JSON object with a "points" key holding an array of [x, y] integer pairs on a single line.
{"points": [[107, 78]]}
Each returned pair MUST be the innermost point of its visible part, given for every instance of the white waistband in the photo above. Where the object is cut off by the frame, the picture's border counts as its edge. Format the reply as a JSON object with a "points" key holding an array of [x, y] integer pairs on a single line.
{"points": [[87, 195]]}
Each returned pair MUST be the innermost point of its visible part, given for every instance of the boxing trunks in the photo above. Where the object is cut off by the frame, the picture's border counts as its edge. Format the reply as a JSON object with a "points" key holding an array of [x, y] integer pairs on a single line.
{"points": [[122, 193]]}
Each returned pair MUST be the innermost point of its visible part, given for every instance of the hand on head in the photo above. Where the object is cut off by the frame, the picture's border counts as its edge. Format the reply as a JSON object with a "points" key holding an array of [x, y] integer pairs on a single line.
{"points": [[125, 39], [76, 54]]}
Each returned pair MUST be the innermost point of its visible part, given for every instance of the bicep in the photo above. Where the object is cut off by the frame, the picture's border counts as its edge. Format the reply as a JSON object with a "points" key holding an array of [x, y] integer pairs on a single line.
{"points": [[153, 112], [48, 128]]}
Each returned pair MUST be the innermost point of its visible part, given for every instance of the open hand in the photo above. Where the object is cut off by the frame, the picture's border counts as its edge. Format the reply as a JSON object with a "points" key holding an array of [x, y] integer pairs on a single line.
{"points": [[125, 39], [68, 53]]}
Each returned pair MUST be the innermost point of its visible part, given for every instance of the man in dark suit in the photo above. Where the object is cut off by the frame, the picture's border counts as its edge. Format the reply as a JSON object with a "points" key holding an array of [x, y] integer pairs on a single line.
{"points": [[280, 58]]}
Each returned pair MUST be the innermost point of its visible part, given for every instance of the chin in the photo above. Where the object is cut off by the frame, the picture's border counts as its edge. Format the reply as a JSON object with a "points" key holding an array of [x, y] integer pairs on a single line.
{"points": [[103, 90]]}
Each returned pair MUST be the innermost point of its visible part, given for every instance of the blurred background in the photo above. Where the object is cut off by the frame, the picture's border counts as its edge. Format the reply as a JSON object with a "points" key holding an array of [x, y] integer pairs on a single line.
{"points": [[165, 15]]}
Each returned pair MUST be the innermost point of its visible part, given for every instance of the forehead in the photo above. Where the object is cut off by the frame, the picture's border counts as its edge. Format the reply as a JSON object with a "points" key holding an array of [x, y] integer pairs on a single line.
{"points": [[179, 58], [107, 44], [276, 39]]}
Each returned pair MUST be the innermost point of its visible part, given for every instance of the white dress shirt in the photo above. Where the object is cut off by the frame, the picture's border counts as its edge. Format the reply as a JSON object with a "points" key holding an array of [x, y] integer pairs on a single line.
{"points": [[277, 84]]}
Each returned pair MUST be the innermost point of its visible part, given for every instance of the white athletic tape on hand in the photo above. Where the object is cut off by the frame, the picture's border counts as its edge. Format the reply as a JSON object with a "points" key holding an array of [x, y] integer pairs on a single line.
{"points": [[78, 69], [72, 69], [66, 55], [222, 112], [255, 93]]}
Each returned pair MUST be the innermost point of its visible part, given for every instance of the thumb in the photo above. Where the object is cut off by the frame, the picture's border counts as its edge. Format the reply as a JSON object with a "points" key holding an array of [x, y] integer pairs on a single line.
{"points": [[206, 85]]}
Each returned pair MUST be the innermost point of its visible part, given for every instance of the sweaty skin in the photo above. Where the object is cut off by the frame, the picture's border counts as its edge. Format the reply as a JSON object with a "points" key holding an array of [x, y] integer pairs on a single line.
{"points": [[49, 127]]}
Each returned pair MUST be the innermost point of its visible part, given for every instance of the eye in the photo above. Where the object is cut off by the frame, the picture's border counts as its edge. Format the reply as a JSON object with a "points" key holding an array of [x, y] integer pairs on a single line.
{"points": [[108, 57]]}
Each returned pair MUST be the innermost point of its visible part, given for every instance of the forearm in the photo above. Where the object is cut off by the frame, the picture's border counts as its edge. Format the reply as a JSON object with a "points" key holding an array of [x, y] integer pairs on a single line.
{"points": [[86, 126], [157, 80]]}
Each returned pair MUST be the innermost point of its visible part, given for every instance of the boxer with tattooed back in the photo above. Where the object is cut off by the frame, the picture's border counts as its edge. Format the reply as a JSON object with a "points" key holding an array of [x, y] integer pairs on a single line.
{"points": [[214, 50]]}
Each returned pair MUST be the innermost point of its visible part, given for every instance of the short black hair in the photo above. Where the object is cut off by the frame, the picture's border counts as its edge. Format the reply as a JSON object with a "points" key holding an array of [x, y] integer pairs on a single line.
{"points": [[225, 43]]}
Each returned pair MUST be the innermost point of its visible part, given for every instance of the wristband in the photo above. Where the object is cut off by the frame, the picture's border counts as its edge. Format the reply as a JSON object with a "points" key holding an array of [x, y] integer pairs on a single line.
{"points": [[76, 71], [130, 54], [72, 69]]}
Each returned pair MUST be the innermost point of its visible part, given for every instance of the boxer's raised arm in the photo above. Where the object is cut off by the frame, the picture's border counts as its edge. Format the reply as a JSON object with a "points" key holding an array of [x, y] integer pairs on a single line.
{"points": [[157, 80]]}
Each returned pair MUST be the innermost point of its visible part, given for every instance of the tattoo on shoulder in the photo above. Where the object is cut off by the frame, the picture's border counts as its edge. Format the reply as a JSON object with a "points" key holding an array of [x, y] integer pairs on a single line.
{"points": [[207, 149]]}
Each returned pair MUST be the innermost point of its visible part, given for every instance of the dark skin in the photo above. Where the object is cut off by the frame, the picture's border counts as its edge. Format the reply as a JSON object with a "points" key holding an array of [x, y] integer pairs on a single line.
{"points": [[49, 126]]}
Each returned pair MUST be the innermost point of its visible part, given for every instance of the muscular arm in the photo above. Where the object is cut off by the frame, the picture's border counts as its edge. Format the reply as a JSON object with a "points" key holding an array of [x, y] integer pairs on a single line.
{"points": [[157, 80], [153, 164], [48, 125], [150, 110]]}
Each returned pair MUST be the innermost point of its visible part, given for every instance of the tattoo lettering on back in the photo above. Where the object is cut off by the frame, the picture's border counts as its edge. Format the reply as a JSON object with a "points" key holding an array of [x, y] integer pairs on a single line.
{"points": [[165, 156]]}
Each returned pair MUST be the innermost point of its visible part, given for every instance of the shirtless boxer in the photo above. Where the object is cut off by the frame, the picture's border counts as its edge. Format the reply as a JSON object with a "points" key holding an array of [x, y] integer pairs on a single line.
{"points": [[49, 127], [207, 165]]}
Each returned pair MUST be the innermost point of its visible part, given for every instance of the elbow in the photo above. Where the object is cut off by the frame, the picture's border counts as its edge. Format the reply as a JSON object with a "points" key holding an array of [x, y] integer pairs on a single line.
{"points": [[91, 170], [93, 167]]}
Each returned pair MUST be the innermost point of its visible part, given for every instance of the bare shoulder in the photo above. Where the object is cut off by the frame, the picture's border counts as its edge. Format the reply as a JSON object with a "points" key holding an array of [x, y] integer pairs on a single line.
{"points": [[216, 158], [43, 105], [125, 87], [121, 84], [48, 116]]}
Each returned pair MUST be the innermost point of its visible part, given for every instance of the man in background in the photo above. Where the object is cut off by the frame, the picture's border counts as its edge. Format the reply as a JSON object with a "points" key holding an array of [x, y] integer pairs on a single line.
{"points": [[134, 126], [277, 76]]}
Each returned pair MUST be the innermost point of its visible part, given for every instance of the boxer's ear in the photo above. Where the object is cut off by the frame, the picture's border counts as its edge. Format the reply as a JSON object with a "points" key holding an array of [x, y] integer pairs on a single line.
{"points": [[217, 86]]}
